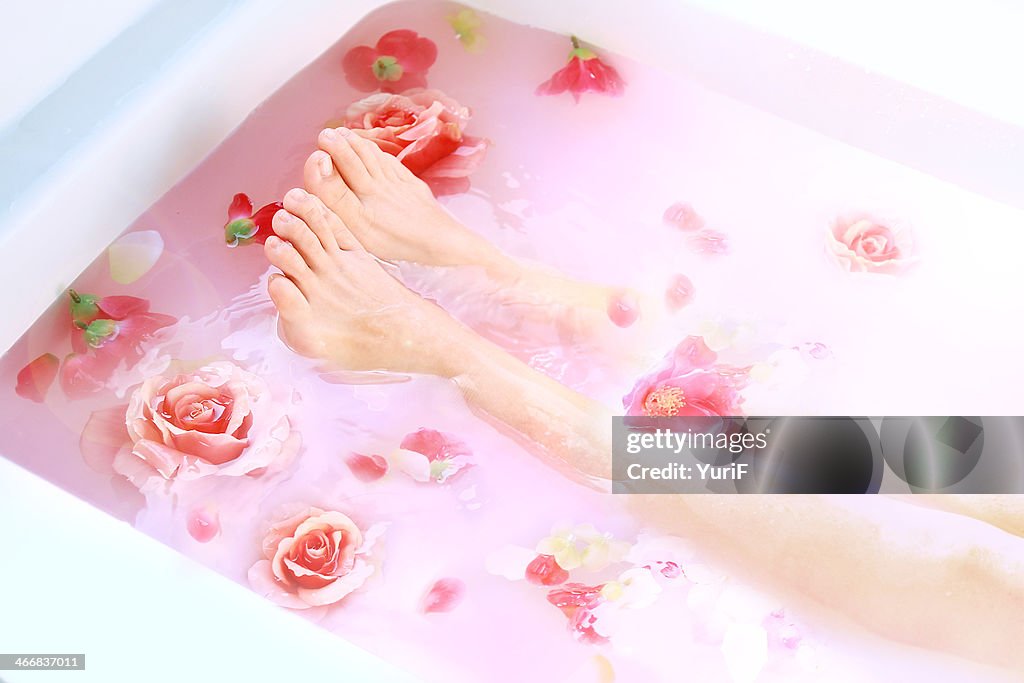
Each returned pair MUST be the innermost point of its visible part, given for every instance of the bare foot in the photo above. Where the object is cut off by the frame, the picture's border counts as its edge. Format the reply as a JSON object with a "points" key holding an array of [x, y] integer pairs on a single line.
{"points": [[336, 302], [396, 217], [389, 210]]}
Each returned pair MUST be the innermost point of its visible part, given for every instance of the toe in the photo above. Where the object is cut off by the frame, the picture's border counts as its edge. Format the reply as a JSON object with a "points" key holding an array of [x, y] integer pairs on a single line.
{"points": [[325, 224], [349, 164], [367, 151], [321, 220], [287, 297], [306, 242], [283, 256], [322, 179]]}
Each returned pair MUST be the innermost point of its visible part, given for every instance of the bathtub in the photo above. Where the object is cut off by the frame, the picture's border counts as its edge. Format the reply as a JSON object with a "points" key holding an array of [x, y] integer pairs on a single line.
{"points": [[171, 118]]}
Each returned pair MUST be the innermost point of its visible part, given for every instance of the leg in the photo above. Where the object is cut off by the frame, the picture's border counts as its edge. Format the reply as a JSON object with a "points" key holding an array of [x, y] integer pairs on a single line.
{"points": [[920, 576]]}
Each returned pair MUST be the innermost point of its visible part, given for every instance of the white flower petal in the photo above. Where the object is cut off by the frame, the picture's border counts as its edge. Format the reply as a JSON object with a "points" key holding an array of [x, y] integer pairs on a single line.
{"points": [[416, 465], [131, 256]]}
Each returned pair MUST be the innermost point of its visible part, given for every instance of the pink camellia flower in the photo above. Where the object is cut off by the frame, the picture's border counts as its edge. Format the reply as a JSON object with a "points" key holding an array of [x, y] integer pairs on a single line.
{"points": [[244, 226], [217, 420], [424, 129], [399, 61], [430, 455], [861, 244], [584, 72], [313, 558], [689, 383]]}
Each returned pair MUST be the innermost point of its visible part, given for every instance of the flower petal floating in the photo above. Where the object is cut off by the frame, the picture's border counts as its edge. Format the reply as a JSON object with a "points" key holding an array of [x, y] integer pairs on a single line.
{"points": [[688, 382], [683, 216], [313, 558], [679, 292], [466, 24], [582, 546], [444, 596], [219, 420], [399, 61], [107, 330], [133, 255], [543, 570], [860, 243], [367, 468], [425, 130], [577, 602], [585, 72], [34, 379], [244, 226], [430, 455]]}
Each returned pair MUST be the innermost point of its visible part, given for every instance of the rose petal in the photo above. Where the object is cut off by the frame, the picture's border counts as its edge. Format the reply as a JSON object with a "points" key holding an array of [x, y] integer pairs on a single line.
{"points": [[444, 596], [340, 588], [367, 467], [102, 437], [34, 379], [262, 581]]}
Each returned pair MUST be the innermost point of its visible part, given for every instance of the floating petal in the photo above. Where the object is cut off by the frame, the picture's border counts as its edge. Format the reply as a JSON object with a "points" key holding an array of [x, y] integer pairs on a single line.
{"points": [[133, 255]]}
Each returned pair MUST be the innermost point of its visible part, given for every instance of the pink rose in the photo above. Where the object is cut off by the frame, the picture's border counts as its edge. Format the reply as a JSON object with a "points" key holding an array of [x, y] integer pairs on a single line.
{"points": [[312, 558], [859, 243], [689, 383], [217, 420], [424, 130]]}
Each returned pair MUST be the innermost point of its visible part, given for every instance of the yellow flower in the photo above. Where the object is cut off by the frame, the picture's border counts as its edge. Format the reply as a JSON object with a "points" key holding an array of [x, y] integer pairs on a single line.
{"points": [[582, 546], [465, 24]]}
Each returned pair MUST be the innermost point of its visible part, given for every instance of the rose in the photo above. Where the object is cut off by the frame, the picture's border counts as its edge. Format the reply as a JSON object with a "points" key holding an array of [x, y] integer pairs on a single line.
{"points": [[424, 130], [688, 382], [217, 420], [312, 558], [859, 243]]}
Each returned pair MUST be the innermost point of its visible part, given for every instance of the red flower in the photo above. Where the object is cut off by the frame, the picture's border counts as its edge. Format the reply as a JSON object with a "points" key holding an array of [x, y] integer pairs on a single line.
{"points": [[446, 454], [399, 61], [577, 601], [688, 382], [584, 72], [545, 571], [107, 330], [244, 226]]}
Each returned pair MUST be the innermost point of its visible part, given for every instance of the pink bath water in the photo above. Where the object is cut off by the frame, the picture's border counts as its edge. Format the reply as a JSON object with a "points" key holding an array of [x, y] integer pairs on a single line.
{"points": [[583, 188]]}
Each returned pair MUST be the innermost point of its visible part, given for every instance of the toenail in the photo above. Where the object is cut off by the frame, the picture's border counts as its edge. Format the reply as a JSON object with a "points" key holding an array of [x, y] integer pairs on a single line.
{"points": [[297, 194], [273, 241], [345, 132], [283, 216], [328, 134], [325, 164]]}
